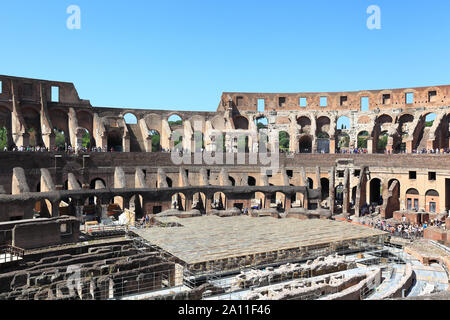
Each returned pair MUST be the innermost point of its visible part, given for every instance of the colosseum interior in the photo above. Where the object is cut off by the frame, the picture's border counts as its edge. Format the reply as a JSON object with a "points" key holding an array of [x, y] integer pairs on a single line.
{"points": [[282, 196]]}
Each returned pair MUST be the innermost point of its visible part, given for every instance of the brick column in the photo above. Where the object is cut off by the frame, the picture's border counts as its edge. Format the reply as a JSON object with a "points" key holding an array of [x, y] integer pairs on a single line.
{"points": [[370, 145], [332, 146], [409, 147]]}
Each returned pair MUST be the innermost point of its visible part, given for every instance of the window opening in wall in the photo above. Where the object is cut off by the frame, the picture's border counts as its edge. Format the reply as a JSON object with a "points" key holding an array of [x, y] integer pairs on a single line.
{"points": [[409, 97], [432, 176], [412, 175], [432, 96], [55, 94], [290, 173], [281, 101], [323, 101], [340, 173], [1, 87], [357, 173], [303, 102], [157, 209], [386, 99], [239, 101], [343, 100], [261, 105], [364, 103], [65, 228]]}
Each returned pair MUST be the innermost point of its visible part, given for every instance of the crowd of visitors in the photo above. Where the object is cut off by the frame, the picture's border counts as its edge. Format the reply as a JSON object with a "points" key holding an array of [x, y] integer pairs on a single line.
{"points": [[68, 149], [403, 229]]}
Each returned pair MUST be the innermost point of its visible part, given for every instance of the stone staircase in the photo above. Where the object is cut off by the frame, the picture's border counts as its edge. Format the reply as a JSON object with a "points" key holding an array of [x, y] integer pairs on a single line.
{"points": [[136, 140], [423, 142]]}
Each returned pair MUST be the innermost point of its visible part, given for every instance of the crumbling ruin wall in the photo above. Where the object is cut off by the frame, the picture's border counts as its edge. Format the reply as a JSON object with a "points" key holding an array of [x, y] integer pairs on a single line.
{"points": [[355, 292], [306, 289], [319, 266], [404, 284], [104, 272]]}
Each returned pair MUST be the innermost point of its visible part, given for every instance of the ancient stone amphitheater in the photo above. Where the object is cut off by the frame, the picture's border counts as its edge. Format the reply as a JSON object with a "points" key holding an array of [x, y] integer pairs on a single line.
{"points": [[272, 196]]}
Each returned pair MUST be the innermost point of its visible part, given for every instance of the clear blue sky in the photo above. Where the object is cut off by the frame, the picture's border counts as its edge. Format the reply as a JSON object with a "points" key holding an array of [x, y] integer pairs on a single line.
{"points": [[184, 54]]}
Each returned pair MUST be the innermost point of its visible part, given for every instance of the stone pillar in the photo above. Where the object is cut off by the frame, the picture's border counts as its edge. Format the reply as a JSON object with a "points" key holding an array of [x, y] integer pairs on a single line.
{"points": [[332, 145], [409, 146], [346, 203], [55, 209], [430, 144], [126, 143], [370, 145], [287, 202], [267, 200], [319, 186], [187, 203]]}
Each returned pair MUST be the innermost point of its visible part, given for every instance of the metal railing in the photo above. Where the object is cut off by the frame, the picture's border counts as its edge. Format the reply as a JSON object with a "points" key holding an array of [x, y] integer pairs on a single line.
{"points": [[11, 253]]}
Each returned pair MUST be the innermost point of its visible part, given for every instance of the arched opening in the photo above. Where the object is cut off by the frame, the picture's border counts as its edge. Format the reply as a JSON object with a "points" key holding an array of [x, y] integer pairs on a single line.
{"points": [[199, 201], [136, 205], [339, 195], [325, 188], [84, 139], [429, 119], [424, 134], [310, 183], [323, 142], [134, 132], [233, 182], [305, 125], [305, 144], [261, 123], [114, 141], [382, 141], [251, 181], [219, 201], [130, 118], [5, 129], [169, 182], [96, 184], [376, 192], [3, 139], [60, 122], [177, 138], [343, 142], [353, 201], [278, 201], [242, 144], [363, 136], [432, 201], [284, 139], [400, 140], [156, 140], [343, 123], [412, 199], [179, 201], [323, 124], [240, 122], [175, 122], [43, 209], [61, 141], [33, 121], [66, 185], [198, 143]]}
